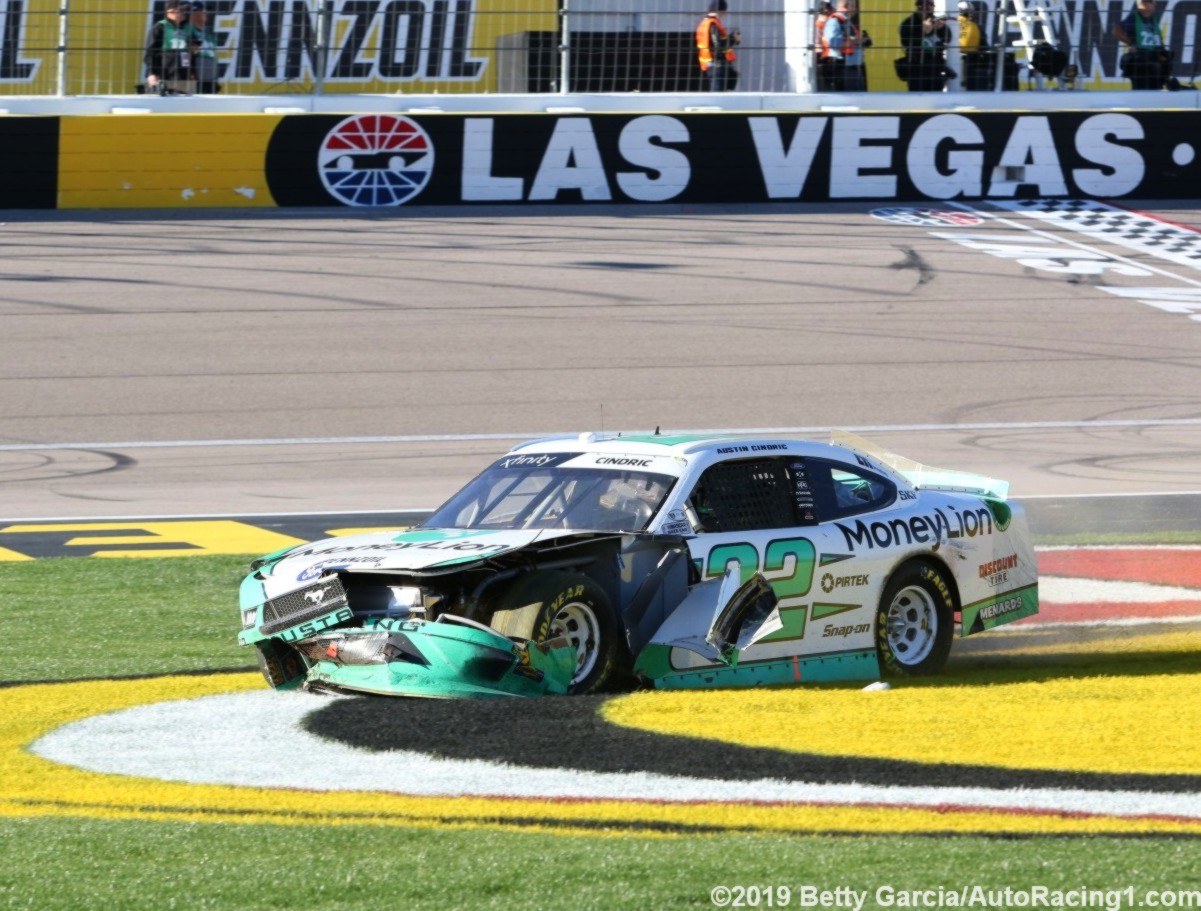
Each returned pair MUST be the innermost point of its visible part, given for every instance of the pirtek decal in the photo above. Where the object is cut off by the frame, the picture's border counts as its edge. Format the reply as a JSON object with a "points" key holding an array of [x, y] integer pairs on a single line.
{"points": [[831, 582], [951, 523]]}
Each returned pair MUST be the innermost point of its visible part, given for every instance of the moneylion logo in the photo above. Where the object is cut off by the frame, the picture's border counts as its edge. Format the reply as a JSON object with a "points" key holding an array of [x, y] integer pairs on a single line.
{"points": [[376, 160]]}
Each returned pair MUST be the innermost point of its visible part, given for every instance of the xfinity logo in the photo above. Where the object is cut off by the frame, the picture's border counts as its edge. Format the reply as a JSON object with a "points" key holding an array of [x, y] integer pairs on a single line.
{"points": [[525, 461]]}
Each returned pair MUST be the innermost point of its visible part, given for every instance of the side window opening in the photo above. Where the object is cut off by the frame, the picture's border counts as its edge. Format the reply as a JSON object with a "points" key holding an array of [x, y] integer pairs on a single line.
{"points": [[742, 496], [857, 491]]}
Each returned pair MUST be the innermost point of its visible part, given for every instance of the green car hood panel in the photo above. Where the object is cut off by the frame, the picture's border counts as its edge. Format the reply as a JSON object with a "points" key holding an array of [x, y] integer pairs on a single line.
{"points": [[418, 550]]}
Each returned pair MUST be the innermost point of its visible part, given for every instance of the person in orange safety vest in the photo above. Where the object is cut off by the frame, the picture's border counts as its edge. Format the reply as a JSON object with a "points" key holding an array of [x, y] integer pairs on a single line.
{"points": [[715, 50], [842, 45]]}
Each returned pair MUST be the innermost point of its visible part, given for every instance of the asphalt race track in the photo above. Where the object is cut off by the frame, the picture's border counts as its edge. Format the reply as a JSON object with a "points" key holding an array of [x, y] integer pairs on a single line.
{"points": [[248, 363]]}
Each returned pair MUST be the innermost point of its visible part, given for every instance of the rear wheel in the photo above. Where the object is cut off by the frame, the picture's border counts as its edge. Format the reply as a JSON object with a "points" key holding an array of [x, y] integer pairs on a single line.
{"points": [[550, 605], [914, 621]]}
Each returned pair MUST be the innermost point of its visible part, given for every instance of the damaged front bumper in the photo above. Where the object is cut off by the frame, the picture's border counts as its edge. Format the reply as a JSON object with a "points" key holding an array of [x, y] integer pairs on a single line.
{"points": [[447, 658]]}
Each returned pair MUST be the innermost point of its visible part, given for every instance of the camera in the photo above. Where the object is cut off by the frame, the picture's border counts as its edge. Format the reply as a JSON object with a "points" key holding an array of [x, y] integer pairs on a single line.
{"points": [[865, 40]]}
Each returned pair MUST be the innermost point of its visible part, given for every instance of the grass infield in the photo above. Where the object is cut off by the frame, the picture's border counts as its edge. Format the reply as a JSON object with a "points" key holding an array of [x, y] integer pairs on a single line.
{"points": [[74, 619]]}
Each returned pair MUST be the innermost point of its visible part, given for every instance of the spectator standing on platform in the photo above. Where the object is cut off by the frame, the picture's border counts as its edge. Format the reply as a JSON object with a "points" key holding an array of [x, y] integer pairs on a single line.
{"points": [[1148, 63], [842, 49], [205, 42], [169, 50], [924, 36], [979, 64], [824, 68], [715, 49]]}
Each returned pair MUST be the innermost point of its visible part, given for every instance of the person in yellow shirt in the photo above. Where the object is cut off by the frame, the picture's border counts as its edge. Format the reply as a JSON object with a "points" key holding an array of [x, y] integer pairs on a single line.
{"points": [[974, 53]]}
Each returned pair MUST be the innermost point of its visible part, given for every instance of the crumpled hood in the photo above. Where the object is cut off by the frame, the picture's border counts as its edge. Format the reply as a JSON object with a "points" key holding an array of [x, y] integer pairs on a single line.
{"points": [[419, 549]]}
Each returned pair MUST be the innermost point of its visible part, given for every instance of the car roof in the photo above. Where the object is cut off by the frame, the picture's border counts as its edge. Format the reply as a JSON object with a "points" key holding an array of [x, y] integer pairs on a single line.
{"points": [[698, 451], [685, 445]]}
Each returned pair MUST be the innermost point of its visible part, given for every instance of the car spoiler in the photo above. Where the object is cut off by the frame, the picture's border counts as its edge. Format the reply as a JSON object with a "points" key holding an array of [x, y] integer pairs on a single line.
{"points": [[924, 476]]}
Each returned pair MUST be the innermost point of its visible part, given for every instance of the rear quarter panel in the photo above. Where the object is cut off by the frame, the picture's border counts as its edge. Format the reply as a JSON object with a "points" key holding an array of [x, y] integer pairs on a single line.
{"points": [[830, 577]]}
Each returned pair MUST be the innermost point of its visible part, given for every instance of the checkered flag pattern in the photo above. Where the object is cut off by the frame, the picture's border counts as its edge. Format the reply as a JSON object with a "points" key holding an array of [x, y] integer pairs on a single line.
{"points": [[1177, 243]]}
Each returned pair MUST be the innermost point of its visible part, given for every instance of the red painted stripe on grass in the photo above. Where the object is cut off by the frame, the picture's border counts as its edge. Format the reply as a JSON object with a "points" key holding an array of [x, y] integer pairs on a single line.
{"points": [[1161, 566], [1051, 612]]}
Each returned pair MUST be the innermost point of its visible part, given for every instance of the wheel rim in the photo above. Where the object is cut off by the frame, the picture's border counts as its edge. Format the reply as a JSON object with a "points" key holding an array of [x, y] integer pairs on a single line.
{"points": [[912, 625], [578, 625]]}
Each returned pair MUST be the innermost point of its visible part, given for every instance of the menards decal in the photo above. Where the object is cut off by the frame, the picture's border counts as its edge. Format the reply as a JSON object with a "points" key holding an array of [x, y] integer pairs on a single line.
{"points": [[1004, 608]]}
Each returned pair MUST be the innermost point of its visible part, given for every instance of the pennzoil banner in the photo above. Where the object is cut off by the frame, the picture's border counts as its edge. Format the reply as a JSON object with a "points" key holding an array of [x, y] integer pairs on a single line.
{"points": [[392, 160], [272, 46], [425, 47]]}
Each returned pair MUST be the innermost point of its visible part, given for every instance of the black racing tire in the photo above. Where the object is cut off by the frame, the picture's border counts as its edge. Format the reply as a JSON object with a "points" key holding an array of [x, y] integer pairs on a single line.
{"points": [[915, 621], [574, 606]]}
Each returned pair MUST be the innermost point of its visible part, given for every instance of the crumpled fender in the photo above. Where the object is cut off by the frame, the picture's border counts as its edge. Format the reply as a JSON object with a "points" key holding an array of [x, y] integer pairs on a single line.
{"points": [[717, 620], [446, 658]]}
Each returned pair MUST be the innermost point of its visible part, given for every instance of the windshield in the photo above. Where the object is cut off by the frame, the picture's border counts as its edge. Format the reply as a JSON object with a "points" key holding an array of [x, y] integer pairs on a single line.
{"points": [[509, 495]]}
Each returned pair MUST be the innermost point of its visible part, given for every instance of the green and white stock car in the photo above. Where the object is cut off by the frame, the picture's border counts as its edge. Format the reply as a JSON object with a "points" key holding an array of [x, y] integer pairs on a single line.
{"points": [[587, 563]]}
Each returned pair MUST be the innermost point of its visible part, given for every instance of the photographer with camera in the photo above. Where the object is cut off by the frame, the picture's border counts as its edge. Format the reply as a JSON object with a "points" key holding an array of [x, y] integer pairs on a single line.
{"points": [[169, 51], [1148, 62], [924, 36], [842, 49]]}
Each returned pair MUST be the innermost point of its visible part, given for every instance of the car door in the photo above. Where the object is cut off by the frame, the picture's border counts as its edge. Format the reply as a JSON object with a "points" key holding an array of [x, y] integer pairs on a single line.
{"points": [[778, 516], [758, 514]]}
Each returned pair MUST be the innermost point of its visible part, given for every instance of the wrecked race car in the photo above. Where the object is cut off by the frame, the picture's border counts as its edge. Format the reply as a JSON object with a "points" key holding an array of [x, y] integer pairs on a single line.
{"points": [[588, 563]]}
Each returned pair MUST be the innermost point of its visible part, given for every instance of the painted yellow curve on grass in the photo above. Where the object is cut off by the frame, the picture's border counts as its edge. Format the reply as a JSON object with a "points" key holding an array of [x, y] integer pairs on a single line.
{"points": [[32, 786], [1120, 724]]}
